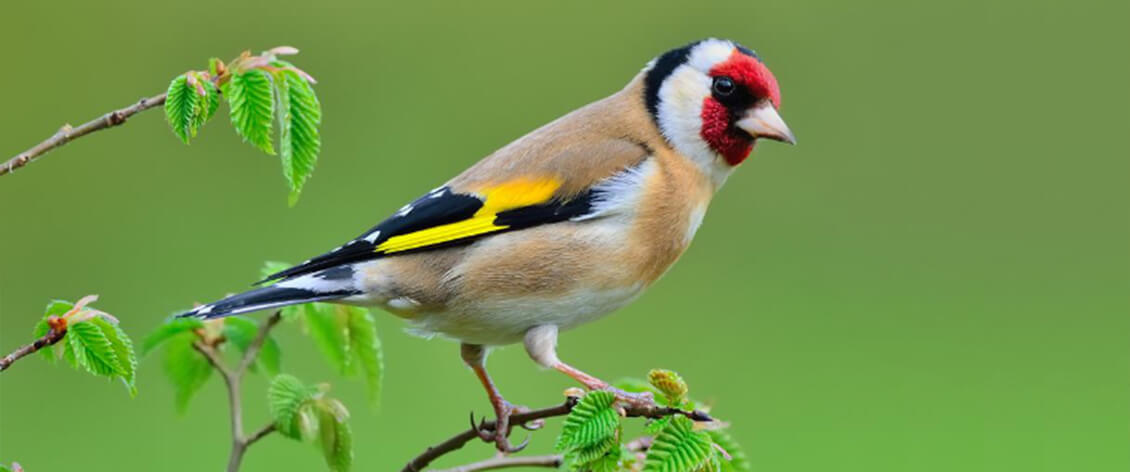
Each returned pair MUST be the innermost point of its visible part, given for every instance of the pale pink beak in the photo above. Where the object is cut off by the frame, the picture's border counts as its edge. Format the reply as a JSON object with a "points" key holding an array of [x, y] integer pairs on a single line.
{"points": [[763, 121]]}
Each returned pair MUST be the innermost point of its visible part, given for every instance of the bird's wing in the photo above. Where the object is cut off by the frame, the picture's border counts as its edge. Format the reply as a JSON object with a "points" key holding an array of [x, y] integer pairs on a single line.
{"points": [[547, 176]]}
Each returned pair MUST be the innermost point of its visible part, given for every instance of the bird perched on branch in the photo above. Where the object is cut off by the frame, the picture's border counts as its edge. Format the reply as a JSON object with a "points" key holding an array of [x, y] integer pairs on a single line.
{"points": [[559, 227]]}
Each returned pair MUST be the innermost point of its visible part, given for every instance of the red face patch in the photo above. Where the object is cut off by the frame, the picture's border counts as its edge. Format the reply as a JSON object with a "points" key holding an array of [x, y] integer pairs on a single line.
{"points": [[734, 147], [751, 73]]}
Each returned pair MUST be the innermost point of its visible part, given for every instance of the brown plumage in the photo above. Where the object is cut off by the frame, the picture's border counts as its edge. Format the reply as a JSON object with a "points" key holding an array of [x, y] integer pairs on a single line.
{"points": [[559, 227]]}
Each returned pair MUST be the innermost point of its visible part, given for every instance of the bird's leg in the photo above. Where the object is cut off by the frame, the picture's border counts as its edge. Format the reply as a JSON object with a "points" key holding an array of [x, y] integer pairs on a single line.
{"points": [[475, 357], [541, 344]]}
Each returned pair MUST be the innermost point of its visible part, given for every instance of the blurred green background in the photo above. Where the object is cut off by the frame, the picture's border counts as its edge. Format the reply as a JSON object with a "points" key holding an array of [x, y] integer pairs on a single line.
{"points": [[937, 278]]}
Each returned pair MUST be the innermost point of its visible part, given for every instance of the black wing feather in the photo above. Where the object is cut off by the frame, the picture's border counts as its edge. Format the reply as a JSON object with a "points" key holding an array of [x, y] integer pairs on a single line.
{"points": [[439, 207]]}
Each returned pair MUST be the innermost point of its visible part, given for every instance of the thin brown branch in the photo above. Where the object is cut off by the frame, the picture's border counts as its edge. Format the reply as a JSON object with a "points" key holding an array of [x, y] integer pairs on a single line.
{"points": [[233, 379], [53, 336], [457, 441], [67, 133], [552, 461], [257, 343]]}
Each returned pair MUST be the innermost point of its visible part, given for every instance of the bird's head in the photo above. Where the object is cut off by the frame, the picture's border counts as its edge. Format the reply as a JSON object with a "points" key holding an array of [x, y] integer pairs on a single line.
{"points": [[712, 99]]}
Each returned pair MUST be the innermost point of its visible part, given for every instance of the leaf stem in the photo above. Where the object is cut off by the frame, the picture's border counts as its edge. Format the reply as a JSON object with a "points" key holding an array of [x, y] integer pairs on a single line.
{"points": [[53, 336], [233, 379]]}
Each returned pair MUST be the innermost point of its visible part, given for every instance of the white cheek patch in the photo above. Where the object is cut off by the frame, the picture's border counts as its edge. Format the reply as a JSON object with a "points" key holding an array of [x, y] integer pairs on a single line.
{"points": [[681, 100], [680, 112]]}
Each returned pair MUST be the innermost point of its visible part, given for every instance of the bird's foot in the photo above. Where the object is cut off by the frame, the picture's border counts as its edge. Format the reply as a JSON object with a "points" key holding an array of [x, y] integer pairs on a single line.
{"points": [[499, 435], [633, 399]]}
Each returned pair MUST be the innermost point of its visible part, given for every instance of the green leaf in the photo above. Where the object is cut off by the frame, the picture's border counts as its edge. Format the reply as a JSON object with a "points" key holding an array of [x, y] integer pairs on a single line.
{"points": [[210, 102], [50, 353], [299, 117], [328, 328], [286, 397], [123, 352], [679, 448], [172, 327], [249, 95], [241, 331], [592, 456], [592, 422], [655, 426], [187, 369], [335, 436], [182, 105], [364, 342], [54, 308], [57, 308], [670, 384], [738, 461], [92, 349]]}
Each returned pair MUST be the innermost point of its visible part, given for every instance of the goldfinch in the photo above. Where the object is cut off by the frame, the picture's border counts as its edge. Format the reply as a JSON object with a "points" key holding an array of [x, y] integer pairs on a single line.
{"points": [[558, 228]]}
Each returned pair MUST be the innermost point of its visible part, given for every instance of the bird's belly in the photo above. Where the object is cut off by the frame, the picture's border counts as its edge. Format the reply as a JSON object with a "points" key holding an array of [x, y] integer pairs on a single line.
{"points": [[505, 320]]}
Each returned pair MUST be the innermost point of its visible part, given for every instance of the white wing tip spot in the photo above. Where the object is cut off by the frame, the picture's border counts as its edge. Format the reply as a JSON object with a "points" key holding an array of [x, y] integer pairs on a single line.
{"points": [[372, 237]]}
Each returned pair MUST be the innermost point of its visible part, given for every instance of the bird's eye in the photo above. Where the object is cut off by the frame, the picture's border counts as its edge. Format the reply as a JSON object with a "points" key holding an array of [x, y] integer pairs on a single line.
{"points": [[724, 86]]}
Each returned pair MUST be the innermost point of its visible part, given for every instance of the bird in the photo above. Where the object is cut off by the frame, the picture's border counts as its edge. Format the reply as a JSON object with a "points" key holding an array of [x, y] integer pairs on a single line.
{"points": [[557, 228]]}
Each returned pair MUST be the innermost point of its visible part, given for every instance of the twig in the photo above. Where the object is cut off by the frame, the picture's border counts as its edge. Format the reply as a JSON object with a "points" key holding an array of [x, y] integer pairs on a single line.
{"points": [[232, 379], [551, 461], [67, 134], [459, 440], [53, 336]]}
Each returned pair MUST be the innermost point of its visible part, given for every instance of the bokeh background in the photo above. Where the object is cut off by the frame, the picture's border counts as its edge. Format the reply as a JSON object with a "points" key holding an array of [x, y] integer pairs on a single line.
{"points": [[937, 278]]}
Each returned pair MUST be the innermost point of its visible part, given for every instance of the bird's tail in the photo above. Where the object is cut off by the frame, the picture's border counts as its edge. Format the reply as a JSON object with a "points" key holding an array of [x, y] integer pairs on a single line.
{"points": [[319, 286]]}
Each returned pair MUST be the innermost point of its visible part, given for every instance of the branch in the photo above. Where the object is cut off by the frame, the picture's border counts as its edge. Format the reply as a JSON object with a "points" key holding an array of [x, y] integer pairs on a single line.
{"points": [[551, 461], [53, 336], [67, 134], [232, 379], [459, 440]]}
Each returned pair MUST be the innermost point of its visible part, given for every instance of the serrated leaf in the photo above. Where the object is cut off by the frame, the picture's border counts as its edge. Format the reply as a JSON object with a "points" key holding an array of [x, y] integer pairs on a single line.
{"points": [[57, 308], [252, 104], [241, 331], [185, 368], [738, 461], [182, 105], [655, 426], [363, 342], [92, 349], [172, 327], [328, 328], [210, 102], [679, 448], [592, 421], [591, 456], [286, 396], [123, 352], [335, 436], [300, 113]]}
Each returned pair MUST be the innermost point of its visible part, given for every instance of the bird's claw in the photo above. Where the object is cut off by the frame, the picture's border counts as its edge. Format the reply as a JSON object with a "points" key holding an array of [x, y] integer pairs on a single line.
{"points": [[499, 434]]}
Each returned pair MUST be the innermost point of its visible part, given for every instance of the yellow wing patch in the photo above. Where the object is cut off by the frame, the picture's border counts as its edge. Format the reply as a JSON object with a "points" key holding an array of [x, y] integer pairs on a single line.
{"points": [[498, 198]]}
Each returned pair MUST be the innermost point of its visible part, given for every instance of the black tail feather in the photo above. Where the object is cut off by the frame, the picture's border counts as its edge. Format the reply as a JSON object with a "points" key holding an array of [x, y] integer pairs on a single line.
{"points": [[262, 298]]}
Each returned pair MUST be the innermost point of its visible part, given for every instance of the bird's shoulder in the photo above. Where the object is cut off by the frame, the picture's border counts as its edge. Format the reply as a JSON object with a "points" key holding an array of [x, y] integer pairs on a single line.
{"points": [[558, 172]]}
